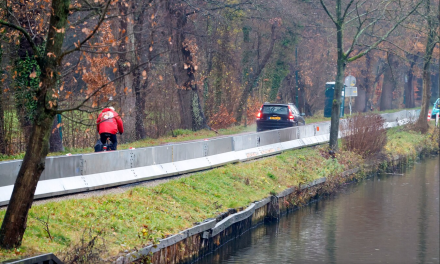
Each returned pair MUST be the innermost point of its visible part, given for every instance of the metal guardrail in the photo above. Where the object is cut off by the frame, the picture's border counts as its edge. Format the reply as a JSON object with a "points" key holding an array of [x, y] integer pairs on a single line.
{"points": [[42, 259], [78, 173]]}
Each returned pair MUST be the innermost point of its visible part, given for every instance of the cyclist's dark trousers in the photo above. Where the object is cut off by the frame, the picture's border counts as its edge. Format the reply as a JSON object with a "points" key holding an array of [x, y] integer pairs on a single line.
{"points": [[112, 137]]}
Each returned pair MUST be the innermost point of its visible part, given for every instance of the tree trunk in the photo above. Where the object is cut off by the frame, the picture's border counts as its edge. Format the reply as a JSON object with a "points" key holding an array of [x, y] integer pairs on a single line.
{"points": [[23, 89], [185, 108], [55, 141], [361, 101], [365, 89], [409, 87], [140, 86], [422, 122], [2, 125], [339, 82], [254, 78], [2, 117], [184, 68], [14, 222], [336, 105], [126, 63], [140, 106], [389, 84]]}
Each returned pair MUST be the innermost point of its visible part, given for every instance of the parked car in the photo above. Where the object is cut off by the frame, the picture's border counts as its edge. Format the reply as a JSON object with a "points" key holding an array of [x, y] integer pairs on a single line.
{"points": [[275, 116], [435, 109]]}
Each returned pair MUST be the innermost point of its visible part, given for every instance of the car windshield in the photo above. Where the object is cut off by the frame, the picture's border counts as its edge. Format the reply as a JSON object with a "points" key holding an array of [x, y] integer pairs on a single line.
{"points": [[272, 109]]}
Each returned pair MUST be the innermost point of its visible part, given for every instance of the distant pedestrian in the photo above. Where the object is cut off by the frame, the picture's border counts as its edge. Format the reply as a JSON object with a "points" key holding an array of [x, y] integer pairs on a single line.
{"points": [[109, 123]]}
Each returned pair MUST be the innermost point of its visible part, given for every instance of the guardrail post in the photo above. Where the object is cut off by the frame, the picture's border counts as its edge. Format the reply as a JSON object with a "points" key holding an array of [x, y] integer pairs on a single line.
{"points": [[205, 149], [172, 153], [132, 156], [82, 165]]}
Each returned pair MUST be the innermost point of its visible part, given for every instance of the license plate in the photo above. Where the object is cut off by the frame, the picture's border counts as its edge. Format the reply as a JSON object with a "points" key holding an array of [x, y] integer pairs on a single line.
{"points": [[275, 118]]}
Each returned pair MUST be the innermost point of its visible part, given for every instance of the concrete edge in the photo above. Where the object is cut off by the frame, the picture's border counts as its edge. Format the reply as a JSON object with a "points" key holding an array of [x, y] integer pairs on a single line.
{"points": [[166, 242], [261, 203], [232, 219]]}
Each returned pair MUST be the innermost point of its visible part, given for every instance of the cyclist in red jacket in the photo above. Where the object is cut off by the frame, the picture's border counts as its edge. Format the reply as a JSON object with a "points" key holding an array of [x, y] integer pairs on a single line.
{"points": [[109, 123]]}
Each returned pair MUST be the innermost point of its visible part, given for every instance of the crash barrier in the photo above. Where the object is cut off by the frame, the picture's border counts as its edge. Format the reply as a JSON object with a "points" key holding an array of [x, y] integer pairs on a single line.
{"points": [[85, 172], [41, 259]]}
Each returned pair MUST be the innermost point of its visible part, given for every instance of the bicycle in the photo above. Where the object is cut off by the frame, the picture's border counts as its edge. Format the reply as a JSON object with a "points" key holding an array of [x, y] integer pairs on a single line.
{"points": [[108, 145]]}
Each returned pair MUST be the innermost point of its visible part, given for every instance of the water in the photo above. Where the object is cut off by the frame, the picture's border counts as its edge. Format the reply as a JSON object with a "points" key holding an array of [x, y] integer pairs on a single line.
{"points": [[384, 219]]}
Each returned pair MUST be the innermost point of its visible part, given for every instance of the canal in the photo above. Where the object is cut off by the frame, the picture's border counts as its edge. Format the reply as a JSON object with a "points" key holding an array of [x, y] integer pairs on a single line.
{"points": [[388, 218]]}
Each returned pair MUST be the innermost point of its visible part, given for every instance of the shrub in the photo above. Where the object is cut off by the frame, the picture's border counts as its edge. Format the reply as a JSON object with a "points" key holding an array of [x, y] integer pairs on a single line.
{"points": [[89, 249], [253, 107], [364, 134], [222, 119]]}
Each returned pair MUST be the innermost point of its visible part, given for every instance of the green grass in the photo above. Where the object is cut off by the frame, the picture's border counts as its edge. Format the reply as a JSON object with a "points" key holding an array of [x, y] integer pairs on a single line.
{"points": [[402, 141], [175, 205]]}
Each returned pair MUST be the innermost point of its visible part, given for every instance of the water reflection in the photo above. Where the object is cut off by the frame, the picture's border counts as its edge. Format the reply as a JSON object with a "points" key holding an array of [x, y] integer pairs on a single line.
{"points": [[423, 216], [331, 227], [385, 219]]}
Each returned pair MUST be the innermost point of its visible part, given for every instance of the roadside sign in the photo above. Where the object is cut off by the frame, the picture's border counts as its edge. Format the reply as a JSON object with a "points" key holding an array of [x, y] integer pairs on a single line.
{"points": [[350, 81], [351, 91], [350, 88]]}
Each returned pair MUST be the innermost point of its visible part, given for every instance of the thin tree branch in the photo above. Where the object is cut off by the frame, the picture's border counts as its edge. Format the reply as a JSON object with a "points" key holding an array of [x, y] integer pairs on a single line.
{"points": [[59, 111], [90, 35], [346, 9], [328, 12], [26, 35], [384, 36]]}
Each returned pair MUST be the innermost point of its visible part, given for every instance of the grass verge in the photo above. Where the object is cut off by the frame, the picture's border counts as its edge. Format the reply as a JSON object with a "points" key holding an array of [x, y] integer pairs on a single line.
{"points": [[178, 204]]}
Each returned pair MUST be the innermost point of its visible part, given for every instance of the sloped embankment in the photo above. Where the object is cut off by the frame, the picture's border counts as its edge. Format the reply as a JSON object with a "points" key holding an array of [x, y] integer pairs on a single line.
{"points": [[142, 214]]}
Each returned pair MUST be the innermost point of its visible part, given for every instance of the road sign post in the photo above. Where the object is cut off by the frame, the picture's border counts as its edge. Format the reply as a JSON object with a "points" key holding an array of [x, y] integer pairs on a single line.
{"points": [[343, 102], [350, 89]]}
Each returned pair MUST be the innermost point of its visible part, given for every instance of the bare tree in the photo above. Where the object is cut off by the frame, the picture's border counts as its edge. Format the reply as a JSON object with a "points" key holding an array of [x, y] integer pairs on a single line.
{"points": [[364, 14], [432, 38], [49, 60]]}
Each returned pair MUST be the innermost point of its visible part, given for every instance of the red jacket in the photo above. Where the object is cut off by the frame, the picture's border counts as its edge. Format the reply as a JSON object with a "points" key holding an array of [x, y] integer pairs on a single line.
{"points": [[109, 122]]}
